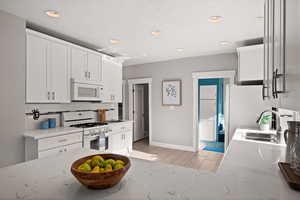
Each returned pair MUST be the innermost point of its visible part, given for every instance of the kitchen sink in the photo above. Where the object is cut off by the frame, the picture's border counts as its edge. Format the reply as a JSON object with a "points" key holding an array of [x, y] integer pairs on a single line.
{"points": [[261, 137]]}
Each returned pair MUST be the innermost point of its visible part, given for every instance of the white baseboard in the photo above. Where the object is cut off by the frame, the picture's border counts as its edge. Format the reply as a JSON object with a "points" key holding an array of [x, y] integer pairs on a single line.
{"points": [[173, 146]]}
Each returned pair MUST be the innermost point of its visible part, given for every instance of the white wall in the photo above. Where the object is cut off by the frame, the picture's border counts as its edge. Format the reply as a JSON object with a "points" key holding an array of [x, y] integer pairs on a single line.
{"points": [[12, 89], [246, 104], [174, 126]]}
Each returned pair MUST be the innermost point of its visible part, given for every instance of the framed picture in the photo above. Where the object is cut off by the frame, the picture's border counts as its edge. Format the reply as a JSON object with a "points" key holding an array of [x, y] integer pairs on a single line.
{"points": [[171, 93]]}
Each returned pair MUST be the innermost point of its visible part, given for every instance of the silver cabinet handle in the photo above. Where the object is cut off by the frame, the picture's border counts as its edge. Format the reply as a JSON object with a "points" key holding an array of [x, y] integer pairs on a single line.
{"points": [[60, 151], [53, 95], [90, 75], [48, 95], [86, 74], [65, 150]]}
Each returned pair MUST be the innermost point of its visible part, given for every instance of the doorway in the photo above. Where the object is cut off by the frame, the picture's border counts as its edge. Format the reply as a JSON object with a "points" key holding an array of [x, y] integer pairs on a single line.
{"points": [[141, 112], [139, 107], [223, 130], [211, 114]]}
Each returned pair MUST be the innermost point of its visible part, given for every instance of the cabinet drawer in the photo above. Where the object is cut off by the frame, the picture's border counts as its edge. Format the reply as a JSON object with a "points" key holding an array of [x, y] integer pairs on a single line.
{"points": [[59, 150], [62, 140]]}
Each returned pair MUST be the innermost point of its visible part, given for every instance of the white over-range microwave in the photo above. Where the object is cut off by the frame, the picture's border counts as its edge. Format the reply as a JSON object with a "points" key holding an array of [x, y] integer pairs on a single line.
{"points": [[86, 91]]}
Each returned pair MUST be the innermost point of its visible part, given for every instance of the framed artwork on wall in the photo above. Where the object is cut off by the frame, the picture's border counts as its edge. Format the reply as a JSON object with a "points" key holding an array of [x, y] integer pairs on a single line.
{"points": [[171, 93]]}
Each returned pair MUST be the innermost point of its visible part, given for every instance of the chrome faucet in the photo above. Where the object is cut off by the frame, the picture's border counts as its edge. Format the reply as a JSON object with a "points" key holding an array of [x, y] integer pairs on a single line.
{"points": [[278, 128]]}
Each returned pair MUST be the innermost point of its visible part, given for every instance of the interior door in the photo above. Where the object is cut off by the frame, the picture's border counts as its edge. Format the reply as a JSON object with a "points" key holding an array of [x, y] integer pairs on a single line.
{"points": [[208, 112], [36, 70], [59, 75], [138, 115], [79, 64]]}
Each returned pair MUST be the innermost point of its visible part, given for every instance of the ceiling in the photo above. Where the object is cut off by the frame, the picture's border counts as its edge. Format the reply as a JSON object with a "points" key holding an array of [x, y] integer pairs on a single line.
{"points": [[182, 23]]}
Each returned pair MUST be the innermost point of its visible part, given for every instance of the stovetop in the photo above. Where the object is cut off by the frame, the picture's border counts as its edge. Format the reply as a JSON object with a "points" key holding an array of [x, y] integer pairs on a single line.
{"points": [[89, 125]]}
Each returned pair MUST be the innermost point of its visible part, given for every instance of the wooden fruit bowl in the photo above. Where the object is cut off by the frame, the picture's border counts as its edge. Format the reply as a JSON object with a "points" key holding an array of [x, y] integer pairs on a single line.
{"points": [[101, 180]]}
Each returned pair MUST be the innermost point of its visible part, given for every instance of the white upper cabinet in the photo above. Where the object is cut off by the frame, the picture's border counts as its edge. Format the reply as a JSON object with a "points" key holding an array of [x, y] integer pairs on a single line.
{"points": [[51, 63], [86, 65], [47, 70], [79, 64], [112, 80], [251, 63], [36, 69], [59, 73], [94, 67]]}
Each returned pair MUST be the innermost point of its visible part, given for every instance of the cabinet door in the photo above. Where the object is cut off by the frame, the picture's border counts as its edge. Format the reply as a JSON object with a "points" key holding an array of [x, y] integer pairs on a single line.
{"points": [[79, 64], [116, 142], [118, 81], [107, 79], [36, 70], [59, 73], [128, 140], [112, 80], [94, 67], [251, 63]]}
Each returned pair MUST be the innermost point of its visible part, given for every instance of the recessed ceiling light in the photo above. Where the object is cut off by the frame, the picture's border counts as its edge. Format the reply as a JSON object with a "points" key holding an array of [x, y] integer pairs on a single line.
{"points": [[114, 41], [180, 49], [157, 32], [144, 54], [225, 43], [215, 19], [52, 13]]}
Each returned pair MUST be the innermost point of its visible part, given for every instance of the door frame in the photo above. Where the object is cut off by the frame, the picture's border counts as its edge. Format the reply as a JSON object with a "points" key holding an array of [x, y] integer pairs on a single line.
{"points": [[205, 75], [131, 83], [136, 111]]}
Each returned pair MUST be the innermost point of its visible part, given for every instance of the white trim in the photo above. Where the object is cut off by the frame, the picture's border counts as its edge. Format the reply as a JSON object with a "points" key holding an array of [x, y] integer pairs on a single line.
{"points": [[212, 74], [173, 146], [131, 83]]}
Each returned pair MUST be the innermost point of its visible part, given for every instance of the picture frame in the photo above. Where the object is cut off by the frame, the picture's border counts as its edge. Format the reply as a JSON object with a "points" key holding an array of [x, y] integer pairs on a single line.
{"points": [[171, 92]]}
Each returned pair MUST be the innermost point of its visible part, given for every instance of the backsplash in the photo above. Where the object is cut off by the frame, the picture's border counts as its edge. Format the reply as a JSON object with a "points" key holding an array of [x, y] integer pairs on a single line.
{"points": [[55, 110]]}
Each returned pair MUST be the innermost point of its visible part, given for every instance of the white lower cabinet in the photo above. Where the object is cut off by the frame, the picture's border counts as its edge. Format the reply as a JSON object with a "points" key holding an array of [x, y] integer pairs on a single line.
{"points": [[120, 139], [51, 146], [59, 150]]}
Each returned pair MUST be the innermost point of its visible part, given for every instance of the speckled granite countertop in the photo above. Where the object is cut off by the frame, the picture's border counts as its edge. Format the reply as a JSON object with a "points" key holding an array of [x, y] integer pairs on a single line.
{"points": [[248, 172]]}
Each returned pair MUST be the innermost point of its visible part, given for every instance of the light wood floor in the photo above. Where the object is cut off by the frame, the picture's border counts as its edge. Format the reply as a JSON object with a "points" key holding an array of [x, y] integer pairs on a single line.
{"points": [[202, 160]]}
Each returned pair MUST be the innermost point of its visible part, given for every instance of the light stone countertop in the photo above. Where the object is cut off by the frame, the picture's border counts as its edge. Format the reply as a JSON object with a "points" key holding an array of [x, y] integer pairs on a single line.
{"points": [[248, 171], [51, 132]]}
